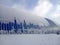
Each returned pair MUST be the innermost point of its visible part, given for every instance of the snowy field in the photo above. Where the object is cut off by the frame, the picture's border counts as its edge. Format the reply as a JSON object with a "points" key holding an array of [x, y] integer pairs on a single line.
{"points": [[30, 39]]}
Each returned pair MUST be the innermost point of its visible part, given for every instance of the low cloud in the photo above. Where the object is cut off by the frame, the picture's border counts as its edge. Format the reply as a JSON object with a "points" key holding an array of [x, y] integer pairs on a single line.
{"points": [[56, 15], [46, 9], [42, 8]]}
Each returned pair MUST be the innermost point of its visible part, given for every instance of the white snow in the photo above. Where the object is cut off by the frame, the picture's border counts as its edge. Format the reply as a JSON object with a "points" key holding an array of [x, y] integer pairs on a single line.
{"points": [[30, 39]]}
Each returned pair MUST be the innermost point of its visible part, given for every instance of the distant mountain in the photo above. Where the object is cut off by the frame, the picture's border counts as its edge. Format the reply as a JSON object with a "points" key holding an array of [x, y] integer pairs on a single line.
{"points": [[24, 22], [8, 14]]}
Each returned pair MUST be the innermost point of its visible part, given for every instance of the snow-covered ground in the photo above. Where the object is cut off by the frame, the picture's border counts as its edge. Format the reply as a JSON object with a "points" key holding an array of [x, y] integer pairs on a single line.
{"points": [[30, 39]]}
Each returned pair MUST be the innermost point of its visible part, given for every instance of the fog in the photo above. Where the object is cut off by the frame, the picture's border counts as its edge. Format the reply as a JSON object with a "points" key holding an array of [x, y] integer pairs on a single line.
{"points": [[26, 39]]}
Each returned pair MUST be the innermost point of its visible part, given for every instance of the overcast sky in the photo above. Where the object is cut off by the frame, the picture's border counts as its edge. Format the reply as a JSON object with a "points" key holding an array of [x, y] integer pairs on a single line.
{"points": [[44, 8]]}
